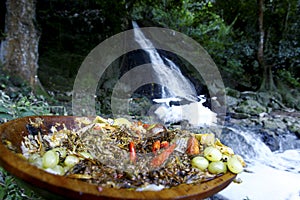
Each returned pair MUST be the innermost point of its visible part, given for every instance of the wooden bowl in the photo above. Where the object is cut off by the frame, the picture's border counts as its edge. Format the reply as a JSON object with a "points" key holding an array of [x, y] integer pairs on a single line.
{"points": [[59, 187]]}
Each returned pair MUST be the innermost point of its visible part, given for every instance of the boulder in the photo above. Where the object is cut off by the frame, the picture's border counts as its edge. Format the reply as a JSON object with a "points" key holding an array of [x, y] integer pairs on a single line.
{"points": [[236, 115], [233, 93], [270, 139], [250, 106], [232, 101], [274, 124], [295, 128], [249, 95]]}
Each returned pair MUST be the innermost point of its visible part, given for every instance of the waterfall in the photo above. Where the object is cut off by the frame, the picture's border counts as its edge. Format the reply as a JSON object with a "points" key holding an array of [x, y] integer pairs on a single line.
{"points": [[176, 87], [171, 76]]}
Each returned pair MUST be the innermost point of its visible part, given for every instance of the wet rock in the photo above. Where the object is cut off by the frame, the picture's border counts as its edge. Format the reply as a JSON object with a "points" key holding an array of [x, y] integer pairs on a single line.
{"points": [[251, 107], [233, 93], [272, 100], [249, 95], [295, 128], [289, 121], [236, 115], [270, 139], [232, 101], [274, 124]]}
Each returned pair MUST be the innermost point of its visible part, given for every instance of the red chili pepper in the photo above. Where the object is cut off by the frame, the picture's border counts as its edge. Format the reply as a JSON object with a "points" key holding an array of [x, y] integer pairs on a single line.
{"points": [[160, 159], [132, 152], [146, 126], [164, 144], [156, 146]]}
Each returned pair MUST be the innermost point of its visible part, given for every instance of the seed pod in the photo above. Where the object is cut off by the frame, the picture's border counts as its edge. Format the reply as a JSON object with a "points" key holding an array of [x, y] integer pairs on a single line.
{"points": [[192, 146], [160, 159]]}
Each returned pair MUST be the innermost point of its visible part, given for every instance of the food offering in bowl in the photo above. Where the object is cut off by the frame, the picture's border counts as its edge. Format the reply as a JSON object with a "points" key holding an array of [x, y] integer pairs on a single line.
{"points": [[80, 157]]}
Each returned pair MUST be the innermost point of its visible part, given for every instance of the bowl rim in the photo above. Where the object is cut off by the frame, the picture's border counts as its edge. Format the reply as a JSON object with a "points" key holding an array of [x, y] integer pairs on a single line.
{"points": [[77, 189]]}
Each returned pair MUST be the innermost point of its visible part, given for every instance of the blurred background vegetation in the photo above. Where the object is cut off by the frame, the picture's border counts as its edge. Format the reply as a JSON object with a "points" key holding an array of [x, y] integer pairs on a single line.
{"points": [[228, 30]]}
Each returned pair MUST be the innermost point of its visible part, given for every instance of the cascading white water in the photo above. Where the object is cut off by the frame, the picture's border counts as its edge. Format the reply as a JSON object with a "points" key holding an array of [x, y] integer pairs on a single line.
{"points": [[274, 175], [282, 160], [182, 87], [176, 86]]}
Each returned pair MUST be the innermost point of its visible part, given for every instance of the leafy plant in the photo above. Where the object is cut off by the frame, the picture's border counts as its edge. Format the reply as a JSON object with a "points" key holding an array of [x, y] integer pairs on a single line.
{"points": [[10, 190], [289, 78], [13, 108], [23, 106]]}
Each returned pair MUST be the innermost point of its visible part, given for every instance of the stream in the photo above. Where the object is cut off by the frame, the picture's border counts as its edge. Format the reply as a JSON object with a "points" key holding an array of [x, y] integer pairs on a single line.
{"points": [[268, 175]]}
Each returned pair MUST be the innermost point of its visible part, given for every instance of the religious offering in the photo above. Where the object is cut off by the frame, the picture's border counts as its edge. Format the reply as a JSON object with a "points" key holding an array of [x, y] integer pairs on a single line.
{"points": [[118, 153]]}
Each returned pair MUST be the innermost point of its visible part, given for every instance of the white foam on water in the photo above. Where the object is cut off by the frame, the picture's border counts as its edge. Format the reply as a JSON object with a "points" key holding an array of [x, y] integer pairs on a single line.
{"points": [[267, 182], [195, 113]]}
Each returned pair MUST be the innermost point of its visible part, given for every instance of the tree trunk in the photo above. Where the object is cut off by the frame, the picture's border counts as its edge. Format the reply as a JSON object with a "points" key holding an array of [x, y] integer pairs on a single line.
{"points": [[267, 81], [21, 41]]}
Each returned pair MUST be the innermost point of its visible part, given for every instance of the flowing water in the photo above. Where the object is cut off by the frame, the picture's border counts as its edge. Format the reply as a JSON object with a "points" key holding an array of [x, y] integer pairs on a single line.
{"points": [[176, 86], [269, 175]]}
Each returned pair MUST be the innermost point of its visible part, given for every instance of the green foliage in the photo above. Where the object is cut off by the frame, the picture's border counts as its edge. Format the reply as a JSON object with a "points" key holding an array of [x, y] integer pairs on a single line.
{"points": [[288, 78], [10, 109], [200, 21], [228, 30], [22, 106], [282, 35], [10, 190]]}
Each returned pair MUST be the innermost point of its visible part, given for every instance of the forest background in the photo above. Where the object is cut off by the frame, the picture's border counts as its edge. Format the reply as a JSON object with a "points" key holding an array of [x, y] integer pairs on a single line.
{"points": [[255, 44]]}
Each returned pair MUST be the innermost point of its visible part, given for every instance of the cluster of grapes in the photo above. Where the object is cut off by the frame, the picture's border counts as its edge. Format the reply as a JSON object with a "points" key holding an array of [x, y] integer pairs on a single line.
{"points": [[216, 162]]}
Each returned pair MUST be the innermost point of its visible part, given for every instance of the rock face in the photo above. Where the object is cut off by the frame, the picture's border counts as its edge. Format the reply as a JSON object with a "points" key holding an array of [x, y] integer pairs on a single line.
{"points": [[266, 113]]}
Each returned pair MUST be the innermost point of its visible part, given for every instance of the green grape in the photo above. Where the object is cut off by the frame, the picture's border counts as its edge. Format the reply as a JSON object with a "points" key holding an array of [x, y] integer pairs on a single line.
{"points": [[217, 167], [234, 165], [50, 159], [212, 154], [200, 162], [36, 160], [71, 160], [57, 169], [62, 152]]}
